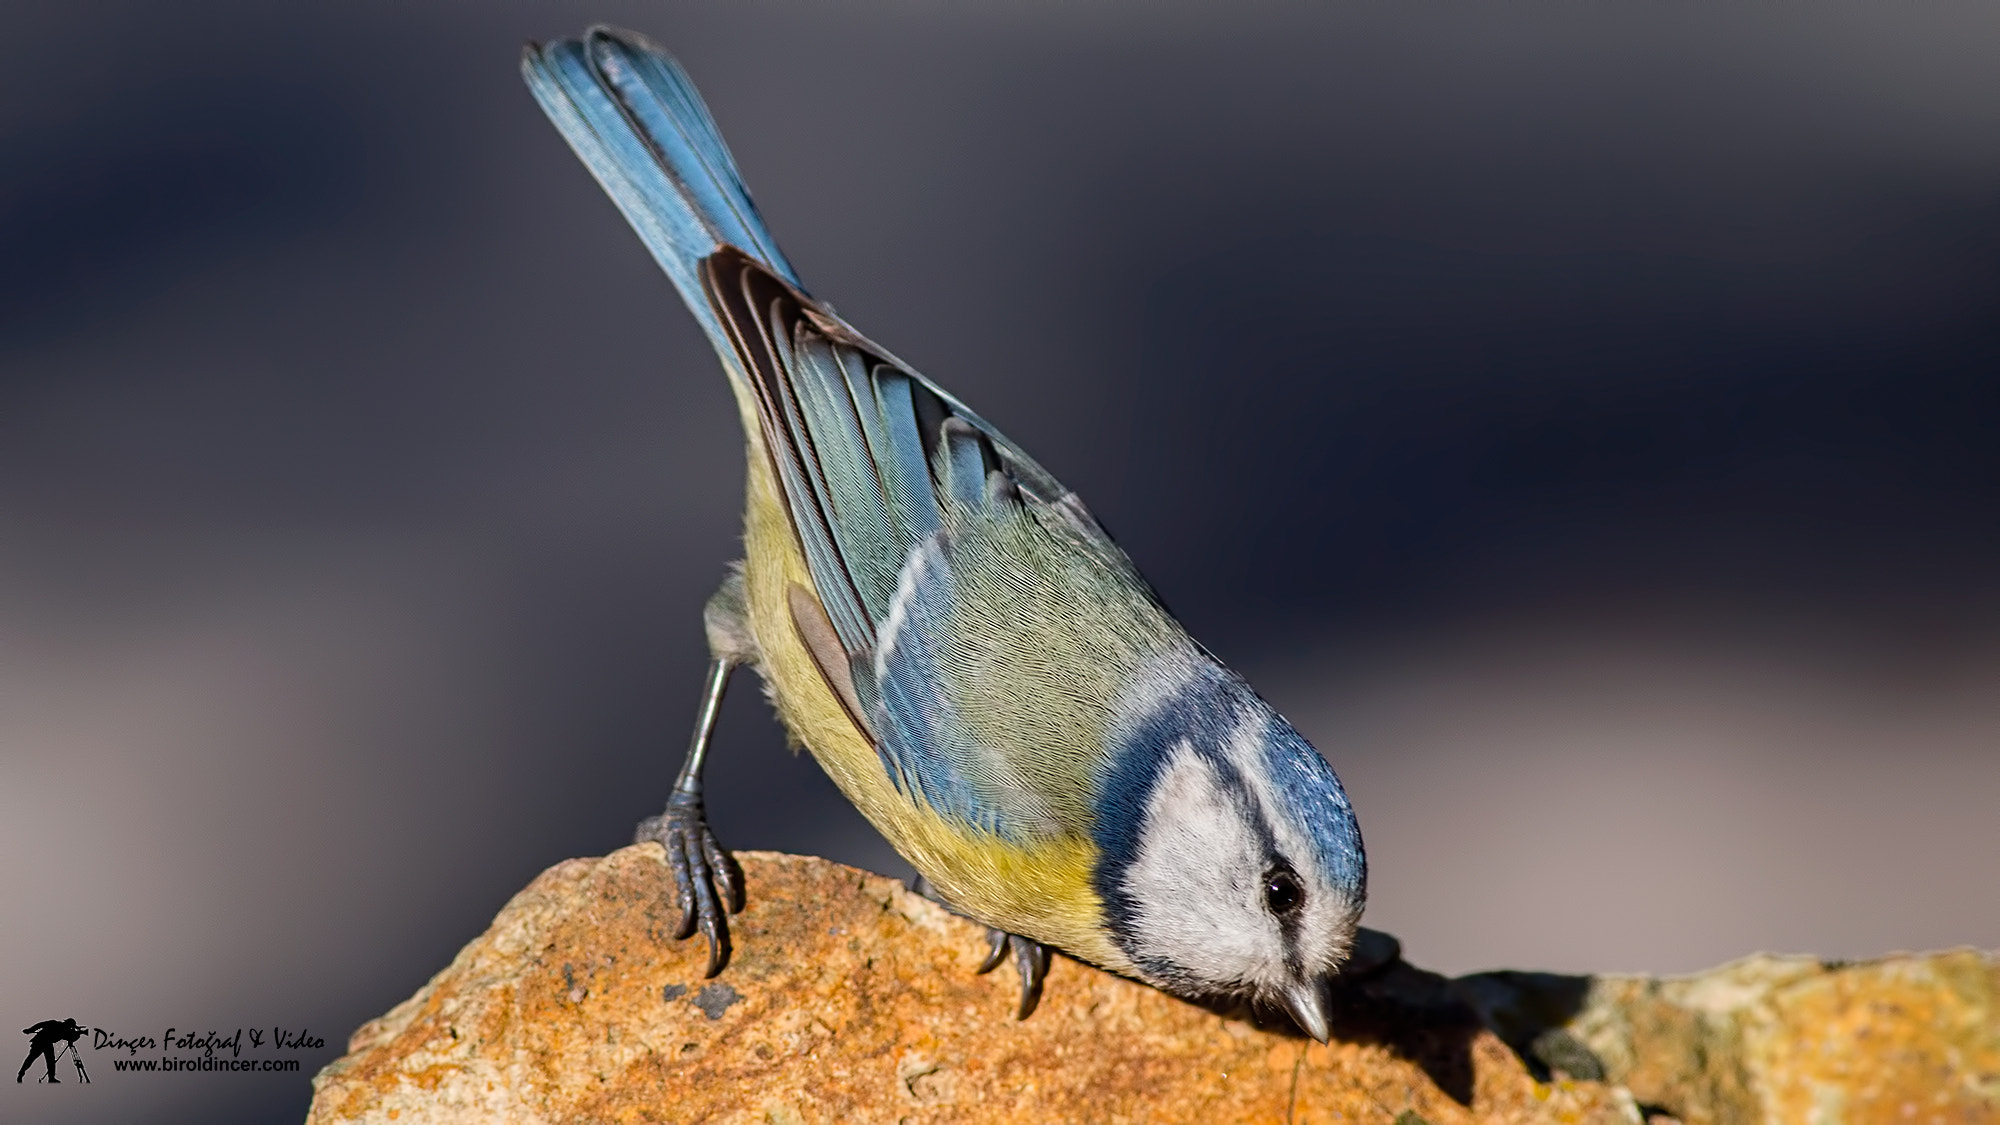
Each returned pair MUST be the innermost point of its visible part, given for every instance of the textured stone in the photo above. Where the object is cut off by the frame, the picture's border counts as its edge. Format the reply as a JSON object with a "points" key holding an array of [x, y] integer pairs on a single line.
{"points": [[1778, 1039], [851, 999]]}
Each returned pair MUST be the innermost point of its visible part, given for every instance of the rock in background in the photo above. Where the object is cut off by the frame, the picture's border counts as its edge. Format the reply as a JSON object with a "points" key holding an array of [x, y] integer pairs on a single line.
{"points": [[851, 999], [1775, 1039]]}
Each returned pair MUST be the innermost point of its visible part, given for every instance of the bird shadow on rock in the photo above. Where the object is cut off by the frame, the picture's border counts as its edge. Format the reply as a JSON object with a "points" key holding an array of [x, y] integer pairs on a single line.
{"points": [[1430, 1020], [1530, 1012]]}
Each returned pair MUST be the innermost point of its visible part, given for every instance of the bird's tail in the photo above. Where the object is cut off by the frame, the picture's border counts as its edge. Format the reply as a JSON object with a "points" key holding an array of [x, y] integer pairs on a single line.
{"points": [[634, 119]]}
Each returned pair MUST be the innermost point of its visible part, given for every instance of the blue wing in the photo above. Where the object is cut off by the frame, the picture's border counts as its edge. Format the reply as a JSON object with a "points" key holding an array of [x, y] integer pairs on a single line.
{"points": [[926, 746], [874, 460], [853, 431]]}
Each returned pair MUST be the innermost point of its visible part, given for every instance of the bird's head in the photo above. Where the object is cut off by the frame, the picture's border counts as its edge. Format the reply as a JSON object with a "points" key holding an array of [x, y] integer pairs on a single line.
{"points": [[1230, 862]]}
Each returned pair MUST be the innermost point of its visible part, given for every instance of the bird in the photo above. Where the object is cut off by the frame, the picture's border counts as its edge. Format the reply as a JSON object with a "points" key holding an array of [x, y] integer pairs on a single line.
{"points": [[952, 634]]}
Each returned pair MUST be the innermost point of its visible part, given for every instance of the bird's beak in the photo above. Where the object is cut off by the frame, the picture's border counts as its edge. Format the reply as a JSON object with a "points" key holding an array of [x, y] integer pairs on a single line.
{"points": [[1306, 1002]]}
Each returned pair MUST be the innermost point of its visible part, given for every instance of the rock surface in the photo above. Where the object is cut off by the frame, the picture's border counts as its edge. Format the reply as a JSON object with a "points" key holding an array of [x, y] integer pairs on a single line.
{"points": [[1777, 1039], [851, 999]]}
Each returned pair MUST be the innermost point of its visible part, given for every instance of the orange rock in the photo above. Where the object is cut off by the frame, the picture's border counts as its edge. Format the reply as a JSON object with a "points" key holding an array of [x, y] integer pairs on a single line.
{"points": [[1911, 1038], [851, 999]]}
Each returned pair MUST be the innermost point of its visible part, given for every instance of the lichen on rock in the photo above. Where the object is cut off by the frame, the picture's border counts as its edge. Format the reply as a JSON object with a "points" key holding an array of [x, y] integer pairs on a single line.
{"points": [[1781, 1039]]}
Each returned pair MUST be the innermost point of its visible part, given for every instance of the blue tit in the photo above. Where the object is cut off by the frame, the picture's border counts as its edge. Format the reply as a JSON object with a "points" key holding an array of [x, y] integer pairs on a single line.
{"points": [[949, 631]]}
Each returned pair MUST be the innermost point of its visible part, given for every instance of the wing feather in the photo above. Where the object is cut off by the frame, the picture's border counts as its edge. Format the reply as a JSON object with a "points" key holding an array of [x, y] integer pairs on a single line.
{"points": [[876, 464]]}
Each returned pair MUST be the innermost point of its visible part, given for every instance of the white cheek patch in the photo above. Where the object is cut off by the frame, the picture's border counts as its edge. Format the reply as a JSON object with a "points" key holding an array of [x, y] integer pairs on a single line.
{"points": [[1195, 882], [1325, 928]]}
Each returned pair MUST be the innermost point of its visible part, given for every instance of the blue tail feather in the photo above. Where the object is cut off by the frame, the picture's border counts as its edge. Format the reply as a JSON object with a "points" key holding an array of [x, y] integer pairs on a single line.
{"points": [[634, 118]]}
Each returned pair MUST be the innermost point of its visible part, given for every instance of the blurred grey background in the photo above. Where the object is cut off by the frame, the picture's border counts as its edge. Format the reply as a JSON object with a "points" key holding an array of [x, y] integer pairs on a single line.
{"points": [[1579, 419]]}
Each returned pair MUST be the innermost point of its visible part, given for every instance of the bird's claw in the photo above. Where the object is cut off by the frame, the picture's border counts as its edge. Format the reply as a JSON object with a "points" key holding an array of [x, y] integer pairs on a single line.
{"points": [[706, 877], [1031, 959]]}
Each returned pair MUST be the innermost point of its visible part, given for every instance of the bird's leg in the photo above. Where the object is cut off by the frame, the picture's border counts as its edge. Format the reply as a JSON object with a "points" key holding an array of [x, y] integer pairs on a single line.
{"points": [[1031, 959], [706, 878]]}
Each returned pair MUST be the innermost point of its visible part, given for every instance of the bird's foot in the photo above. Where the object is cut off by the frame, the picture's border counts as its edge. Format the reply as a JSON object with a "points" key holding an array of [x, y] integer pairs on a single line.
{"points": [[1031, 959], [705, 876]]}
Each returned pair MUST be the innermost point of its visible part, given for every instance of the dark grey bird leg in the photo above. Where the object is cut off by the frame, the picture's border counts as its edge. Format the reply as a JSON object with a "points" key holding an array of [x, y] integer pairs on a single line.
{"points": [[1031, 960], [1031, 957], [706, 878]]}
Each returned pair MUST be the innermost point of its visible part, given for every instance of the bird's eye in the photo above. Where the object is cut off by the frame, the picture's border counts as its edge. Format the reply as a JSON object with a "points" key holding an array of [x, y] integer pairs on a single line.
{"points": [[1282, 893]]}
